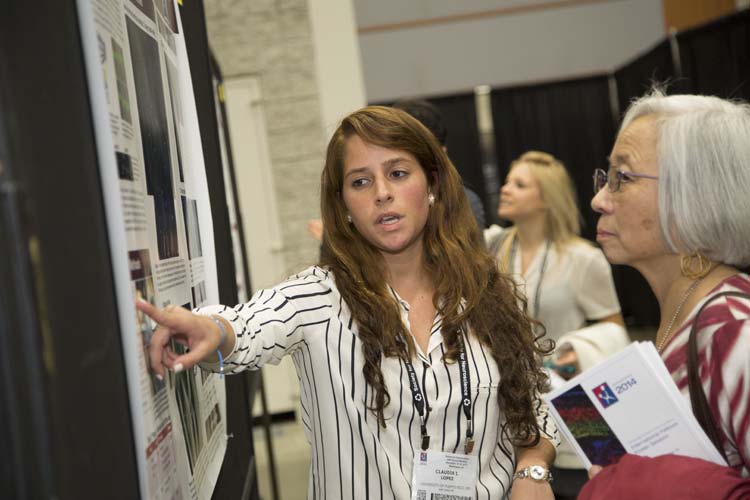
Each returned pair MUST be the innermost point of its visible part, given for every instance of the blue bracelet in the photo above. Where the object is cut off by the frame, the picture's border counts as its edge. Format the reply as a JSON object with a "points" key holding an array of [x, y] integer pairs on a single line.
{"points": [[221, 343], [221, 364]]}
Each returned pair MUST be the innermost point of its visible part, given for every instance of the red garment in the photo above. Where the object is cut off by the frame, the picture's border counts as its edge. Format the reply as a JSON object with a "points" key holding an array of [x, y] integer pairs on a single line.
{"points": [[668, 477], [724, 361]]}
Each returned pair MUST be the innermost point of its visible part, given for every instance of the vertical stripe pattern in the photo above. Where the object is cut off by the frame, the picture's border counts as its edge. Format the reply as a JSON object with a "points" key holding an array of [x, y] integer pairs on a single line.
{"points": [[306, 318]]}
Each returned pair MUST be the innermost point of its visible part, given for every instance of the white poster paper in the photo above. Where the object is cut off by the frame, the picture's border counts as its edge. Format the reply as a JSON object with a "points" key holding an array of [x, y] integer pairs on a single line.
{"points": [[160, 227]]}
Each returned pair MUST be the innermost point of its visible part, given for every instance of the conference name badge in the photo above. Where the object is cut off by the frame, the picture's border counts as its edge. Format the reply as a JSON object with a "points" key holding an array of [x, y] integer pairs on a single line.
{"points": [[444, 475]]}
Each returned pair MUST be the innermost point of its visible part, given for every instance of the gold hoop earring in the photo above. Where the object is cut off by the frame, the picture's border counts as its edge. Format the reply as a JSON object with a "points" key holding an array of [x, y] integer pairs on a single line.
{"points": [[695, 265]]}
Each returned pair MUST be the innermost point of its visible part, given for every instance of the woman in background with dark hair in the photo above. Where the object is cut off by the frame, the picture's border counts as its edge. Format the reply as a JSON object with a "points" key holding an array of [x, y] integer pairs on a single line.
{"points": [[408, 341]]}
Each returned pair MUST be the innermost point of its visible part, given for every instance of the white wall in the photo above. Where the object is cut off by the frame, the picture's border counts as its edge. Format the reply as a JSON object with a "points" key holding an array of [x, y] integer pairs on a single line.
{"points": [[338, 66], [256, 190], [395, 11], [499, 50], [305, 56]]}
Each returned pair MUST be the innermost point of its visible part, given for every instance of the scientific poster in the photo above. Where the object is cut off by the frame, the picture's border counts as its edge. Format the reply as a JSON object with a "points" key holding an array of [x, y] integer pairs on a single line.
{"points": [[154, 169]]}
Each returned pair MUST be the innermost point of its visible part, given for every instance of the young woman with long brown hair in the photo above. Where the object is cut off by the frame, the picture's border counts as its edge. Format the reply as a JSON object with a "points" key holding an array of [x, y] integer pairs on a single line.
{"points": [[408, 341]]}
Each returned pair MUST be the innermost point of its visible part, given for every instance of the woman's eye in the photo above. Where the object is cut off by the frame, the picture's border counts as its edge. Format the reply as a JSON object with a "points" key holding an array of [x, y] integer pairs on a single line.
{"points": [[399, 173], [356, 183], [624, 177]]}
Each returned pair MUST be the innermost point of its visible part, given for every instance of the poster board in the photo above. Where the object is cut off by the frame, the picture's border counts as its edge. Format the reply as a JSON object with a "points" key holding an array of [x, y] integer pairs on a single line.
{"points": [[160, 227]]}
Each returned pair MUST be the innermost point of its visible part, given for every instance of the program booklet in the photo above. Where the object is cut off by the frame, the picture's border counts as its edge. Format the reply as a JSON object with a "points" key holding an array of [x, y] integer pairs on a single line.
{"points": [[628, 404]]}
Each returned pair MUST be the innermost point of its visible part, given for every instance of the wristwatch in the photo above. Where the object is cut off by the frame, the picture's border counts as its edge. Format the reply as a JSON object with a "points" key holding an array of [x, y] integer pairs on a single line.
{"points": [[535, 472]]}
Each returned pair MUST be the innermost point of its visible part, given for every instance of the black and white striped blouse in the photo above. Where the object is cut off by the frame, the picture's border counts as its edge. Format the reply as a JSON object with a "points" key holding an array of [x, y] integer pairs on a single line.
{"points": [[352, 457]]}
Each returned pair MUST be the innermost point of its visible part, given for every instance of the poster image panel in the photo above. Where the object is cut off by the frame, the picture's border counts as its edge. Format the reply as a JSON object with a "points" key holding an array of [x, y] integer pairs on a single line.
{"points": [[145, 6], [139, 262], [166, 9], [199, 292], [189, 407], [122, 83], [213, 420], [192, 230], [124, 166], [176, 116], [102, 47], [152, 115]]}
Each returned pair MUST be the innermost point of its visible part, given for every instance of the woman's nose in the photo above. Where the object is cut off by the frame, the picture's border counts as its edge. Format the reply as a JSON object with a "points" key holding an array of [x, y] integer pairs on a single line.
{"points": [[601, 202], [382, 191]]}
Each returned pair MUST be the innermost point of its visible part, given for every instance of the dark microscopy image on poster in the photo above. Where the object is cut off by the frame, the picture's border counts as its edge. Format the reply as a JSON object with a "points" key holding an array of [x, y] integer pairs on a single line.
{"points": [[102, 46], [199, 293], [176, 129], [145, 6], [192, 228], [122, 83], [124, 166], [139, 262], [152, 116], [213, 420], [102, 52], [188, 404], [178, 147], [174, 89]]}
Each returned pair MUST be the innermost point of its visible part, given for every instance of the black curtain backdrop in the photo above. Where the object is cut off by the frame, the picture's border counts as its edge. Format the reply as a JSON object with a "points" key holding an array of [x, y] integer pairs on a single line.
{"points": [[716, 57], [636, 77], [571, 120], [459, 114]]}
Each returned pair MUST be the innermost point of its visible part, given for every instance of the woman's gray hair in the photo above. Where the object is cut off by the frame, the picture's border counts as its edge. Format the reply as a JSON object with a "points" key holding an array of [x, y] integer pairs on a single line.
{"points": [[703, 151]]}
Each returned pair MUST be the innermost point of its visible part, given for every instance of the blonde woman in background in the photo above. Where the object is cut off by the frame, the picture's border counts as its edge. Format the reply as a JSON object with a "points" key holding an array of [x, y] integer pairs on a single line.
{"points": [[567, 280]]}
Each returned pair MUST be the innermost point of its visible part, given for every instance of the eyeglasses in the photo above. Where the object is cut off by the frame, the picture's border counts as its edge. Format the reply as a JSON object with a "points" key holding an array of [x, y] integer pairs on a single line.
{"points": [[615, 179]]}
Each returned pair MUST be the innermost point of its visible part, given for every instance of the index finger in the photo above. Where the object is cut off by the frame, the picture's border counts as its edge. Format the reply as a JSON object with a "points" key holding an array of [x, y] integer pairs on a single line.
{"points": [[156, 347], [150, 310]]}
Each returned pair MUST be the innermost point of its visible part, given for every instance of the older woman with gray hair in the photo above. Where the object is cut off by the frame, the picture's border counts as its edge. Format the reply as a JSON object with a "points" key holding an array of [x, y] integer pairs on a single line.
{"points": [[675, 205]]}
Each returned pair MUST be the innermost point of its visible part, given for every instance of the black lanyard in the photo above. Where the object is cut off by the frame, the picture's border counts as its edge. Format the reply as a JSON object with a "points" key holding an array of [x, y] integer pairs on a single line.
{"points": [[538, 292], [424, 411]]}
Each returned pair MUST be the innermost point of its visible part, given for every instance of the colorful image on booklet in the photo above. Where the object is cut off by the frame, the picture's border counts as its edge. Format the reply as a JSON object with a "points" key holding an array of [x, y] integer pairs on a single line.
{"points": [[590, 430]]}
